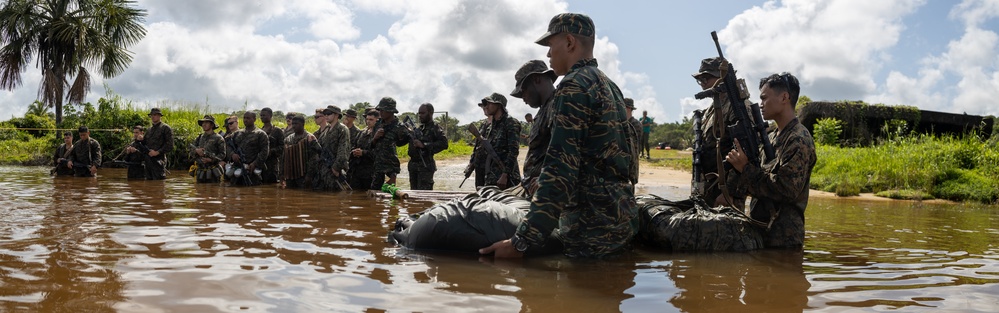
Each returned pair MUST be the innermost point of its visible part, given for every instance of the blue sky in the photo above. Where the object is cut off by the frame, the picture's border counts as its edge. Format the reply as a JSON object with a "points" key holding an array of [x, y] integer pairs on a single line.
{"points": [[297, 55]]}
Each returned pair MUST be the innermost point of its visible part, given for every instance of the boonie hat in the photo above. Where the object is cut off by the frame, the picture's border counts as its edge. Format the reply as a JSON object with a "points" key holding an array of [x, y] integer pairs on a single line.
{"points": [[387, 104], [531, 67]]}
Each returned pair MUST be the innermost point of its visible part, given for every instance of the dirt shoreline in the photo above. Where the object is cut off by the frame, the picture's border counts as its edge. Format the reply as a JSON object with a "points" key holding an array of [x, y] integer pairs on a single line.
{"points": [[651, 178]]}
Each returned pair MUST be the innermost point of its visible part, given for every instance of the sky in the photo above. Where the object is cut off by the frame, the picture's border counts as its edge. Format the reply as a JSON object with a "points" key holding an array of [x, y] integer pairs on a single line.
{"points": [[298, 55]]}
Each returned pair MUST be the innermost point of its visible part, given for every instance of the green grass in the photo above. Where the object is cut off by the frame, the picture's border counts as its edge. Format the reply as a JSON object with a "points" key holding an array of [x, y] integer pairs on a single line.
{"points": [[942, 167], [674, 159], [454, 149]]}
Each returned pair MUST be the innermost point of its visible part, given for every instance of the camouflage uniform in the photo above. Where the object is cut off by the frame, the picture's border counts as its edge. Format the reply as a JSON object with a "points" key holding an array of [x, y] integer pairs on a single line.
{"points": [[781, 186], [354, 133], [421, 176], [717, 141], [362, 167], [61, 153], [251, 145], [585, 189], [85, 153], [136, 161], [537, 141], [386, 156], [311, 155], [335, 143], [214, 147], [478, 165], [159, 137], [504, 135], [275, 137], [636, 143]]}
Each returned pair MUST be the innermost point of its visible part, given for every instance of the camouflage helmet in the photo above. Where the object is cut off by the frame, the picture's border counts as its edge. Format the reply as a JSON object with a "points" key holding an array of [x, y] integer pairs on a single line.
{"points": [[529, 68], [573, 23], [387, 104], [495, 98], [710, 66]]}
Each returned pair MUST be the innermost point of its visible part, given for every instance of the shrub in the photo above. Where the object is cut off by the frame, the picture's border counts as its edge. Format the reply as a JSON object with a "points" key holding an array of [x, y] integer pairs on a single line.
{"points": [[827, 131]]}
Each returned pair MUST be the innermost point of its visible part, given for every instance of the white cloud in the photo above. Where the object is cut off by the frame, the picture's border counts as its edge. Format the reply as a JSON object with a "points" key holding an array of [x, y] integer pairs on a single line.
{"points": [[973, 59], [834, 47]]}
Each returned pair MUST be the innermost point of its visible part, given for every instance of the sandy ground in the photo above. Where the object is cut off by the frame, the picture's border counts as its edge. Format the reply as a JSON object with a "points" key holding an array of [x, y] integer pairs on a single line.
{"points": [[666, 182]]}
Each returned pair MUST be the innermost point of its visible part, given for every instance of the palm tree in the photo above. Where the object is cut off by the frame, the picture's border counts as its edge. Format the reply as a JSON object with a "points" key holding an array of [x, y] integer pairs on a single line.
{"points": [[38, 108], [67, 37]]}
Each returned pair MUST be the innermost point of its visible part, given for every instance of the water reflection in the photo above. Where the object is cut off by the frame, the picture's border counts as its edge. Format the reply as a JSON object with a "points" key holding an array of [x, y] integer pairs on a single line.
{"points": [[107, 244]]}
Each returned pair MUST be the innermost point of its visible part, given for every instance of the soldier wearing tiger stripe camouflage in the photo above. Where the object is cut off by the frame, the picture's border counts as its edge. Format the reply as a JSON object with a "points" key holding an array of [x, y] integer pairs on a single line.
{"points": [[585, 193]]}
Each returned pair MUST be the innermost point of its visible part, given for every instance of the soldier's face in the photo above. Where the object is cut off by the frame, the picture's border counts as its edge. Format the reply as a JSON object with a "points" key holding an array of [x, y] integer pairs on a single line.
{"points": [[249, 120], [298, 126], [529, 92], [68, 139], [231, 124], [385, 114], [370, 120], [349, 120], [772, 102], [558, 53], [266, 117], [85, 136], [424, 114], [206, 126], [155, 118]]}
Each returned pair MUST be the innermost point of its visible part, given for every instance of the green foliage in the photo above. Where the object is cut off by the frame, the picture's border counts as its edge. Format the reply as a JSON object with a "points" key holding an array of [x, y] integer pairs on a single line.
{"points": [[827, 131], [945, 167], [802, 100], [961, 184], [28, 150], [676, 135], [37, 122], [675, 159]]}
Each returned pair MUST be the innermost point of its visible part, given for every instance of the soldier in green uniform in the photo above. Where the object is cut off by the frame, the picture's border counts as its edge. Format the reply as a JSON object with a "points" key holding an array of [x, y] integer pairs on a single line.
{"points": [[275, 138], [335, 142], [349, 117], [636, 142], [61, 155], [421, 150], [536, 86], [585, 190], [389, 134], [362, 161], [85, 156], [159, 140], [298, 136], [503, 134], [208, 152], [136, 153], [247, 150], [716, 139], [780, 186]]}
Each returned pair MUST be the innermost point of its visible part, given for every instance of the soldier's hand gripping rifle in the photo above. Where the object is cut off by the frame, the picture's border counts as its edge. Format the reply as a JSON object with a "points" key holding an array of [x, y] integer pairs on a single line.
{"points": [[415, 134], [491, 155], [750, 135]]}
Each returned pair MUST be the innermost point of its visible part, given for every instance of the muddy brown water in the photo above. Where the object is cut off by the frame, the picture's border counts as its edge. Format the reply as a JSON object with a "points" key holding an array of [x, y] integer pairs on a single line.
{"points": [[107, 244]]}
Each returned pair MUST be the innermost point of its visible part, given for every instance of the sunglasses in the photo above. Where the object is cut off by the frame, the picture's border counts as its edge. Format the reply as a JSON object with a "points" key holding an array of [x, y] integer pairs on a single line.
{"points": [[703, 79]]}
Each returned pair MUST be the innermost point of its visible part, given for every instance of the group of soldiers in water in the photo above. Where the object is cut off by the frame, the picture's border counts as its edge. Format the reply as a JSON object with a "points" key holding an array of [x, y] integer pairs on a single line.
{"points": [[337, 156], [581, 165]]}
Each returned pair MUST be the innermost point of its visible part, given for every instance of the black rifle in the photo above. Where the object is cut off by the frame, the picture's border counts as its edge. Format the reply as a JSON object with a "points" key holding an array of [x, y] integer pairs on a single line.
{"points": [[415, 134], [696, 184], [491, 154], [750, 135], [230, 143]]}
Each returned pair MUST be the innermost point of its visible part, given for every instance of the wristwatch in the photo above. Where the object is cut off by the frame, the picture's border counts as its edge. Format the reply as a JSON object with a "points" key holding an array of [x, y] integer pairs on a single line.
{"points": [[519, 243]]}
